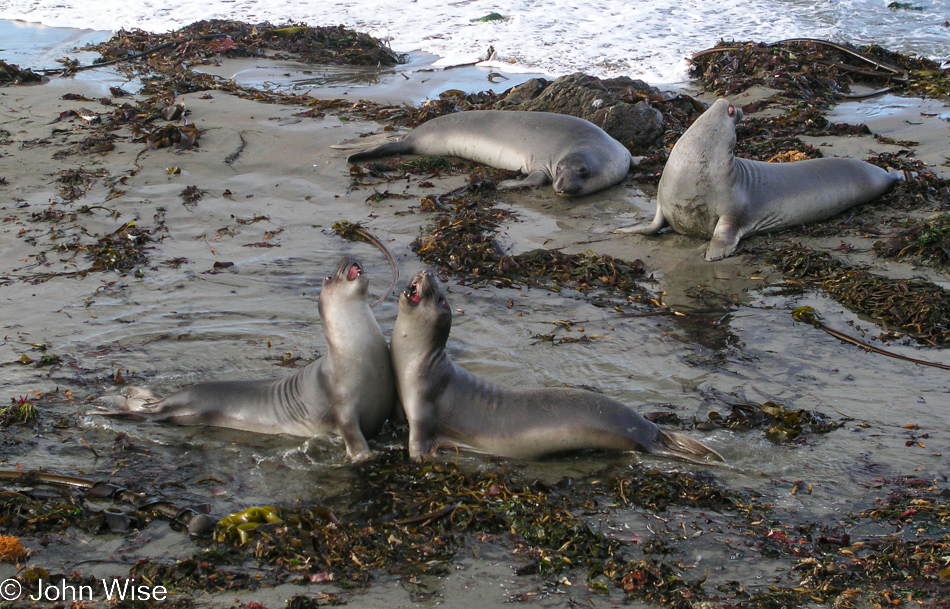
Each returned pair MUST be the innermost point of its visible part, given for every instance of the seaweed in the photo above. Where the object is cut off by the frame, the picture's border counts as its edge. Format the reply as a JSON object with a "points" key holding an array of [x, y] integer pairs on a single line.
{"points": [[462, 241], [21, 412], [815, 71], [927, 241], [917, 307]]}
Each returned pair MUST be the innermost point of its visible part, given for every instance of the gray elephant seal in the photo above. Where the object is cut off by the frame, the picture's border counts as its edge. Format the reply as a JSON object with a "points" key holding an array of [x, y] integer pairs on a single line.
{"points": [[349, 392], [573, 154], [707, 192], [445, 403]]}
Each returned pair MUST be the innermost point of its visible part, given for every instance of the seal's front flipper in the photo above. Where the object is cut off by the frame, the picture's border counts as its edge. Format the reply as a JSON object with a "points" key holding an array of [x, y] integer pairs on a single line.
{"points": [[388, 149], [724, 240], [659, 222], [535, 178], [357, 449], [131, 401], [680, 446]]}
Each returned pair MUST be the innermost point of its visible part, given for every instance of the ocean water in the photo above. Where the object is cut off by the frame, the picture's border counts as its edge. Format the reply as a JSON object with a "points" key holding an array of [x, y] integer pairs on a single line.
{"points": [[644, 39]]}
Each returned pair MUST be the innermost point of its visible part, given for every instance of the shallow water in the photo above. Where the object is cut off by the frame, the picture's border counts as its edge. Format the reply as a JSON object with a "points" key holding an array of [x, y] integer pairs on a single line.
{"points": [[177, 325]]}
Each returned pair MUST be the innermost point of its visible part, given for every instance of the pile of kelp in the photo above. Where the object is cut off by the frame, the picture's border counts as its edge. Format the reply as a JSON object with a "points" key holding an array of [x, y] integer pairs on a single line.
{"points": [[918, 308], [209, 40], [816, 71], [462, 241], [413, 519], [927, 241]]}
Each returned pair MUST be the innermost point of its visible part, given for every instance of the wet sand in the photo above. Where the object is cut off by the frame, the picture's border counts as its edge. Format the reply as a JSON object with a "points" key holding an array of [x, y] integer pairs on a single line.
{"points": [[180, 320]]}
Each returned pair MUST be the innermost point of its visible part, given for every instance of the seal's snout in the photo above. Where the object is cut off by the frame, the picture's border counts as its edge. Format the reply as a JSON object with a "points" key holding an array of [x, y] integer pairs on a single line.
{"points": [[734, 112], [568, 186]]}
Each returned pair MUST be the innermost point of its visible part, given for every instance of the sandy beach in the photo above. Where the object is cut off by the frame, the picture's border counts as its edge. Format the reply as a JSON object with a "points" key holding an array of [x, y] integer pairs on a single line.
{"points": [[229, 291]]}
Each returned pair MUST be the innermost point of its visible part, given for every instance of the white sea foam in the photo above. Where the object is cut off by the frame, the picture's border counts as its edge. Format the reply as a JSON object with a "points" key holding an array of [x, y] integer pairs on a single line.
{"points": [[644, 39]]}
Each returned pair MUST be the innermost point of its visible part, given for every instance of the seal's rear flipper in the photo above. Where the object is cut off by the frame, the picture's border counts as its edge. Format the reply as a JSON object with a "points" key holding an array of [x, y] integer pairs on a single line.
{"points": [[659, 222], [724, 240], [388, 149], [680, 446], [131, 401]]}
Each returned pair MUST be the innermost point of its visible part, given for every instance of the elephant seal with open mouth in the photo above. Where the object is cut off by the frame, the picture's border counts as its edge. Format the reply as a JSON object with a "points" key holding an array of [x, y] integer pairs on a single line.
{"points": [[445, 403], [349, 392]]}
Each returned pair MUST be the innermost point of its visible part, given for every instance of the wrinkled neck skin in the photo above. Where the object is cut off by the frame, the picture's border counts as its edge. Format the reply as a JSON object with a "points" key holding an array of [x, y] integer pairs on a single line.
{"points": [[347, 321], [421, 365]]}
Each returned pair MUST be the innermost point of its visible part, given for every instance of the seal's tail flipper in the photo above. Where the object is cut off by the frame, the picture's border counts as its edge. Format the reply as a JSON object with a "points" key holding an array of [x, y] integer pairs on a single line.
{"points": [[658, 224], [680, 446], [388, 149], [131, 401]]}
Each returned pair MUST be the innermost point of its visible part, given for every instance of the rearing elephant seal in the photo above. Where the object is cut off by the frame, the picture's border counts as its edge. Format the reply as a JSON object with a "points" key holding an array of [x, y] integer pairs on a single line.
{"points": [[573, 154], [350, 391], [705, 191], [443, 402]]}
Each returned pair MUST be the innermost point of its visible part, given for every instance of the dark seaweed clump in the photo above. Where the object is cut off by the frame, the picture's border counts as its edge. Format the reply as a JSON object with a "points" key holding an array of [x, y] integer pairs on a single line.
{"points": [[927, 241], [210, 39], [462, 241], [814, 71], [918, 308]]}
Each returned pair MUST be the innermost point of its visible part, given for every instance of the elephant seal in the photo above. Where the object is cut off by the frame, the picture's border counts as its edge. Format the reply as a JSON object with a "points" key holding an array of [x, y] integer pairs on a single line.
{"points": [[445, 403], [705, 191], [349, 392], [573, 154]]}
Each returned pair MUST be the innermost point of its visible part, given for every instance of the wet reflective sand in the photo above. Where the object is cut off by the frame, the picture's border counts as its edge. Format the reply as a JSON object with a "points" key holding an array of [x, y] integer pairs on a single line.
{"points": [[182, 320]]}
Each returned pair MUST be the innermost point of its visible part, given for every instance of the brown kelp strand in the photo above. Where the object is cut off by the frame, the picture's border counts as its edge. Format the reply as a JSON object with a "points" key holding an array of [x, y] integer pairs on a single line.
{"points": [[462, 241], [916, 307]]}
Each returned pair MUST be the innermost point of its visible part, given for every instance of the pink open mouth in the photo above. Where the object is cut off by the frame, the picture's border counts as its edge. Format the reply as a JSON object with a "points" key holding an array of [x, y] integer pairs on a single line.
{"points": [[354, 272], [414, 296]]}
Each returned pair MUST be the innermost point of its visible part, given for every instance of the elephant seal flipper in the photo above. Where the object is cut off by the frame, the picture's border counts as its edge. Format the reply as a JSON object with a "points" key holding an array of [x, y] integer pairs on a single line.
{"points": [[724, 239], [676, 445], [574, 155], [707, 192], [349, 392], [445, 403], [658, 224], [387, 149]]}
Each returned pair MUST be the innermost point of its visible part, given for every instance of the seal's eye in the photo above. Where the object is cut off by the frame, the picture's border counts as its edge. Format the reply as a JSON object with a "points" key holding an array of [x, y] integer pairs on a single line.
{"points": [[442, 301], [582, 171], [354, 272]]}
